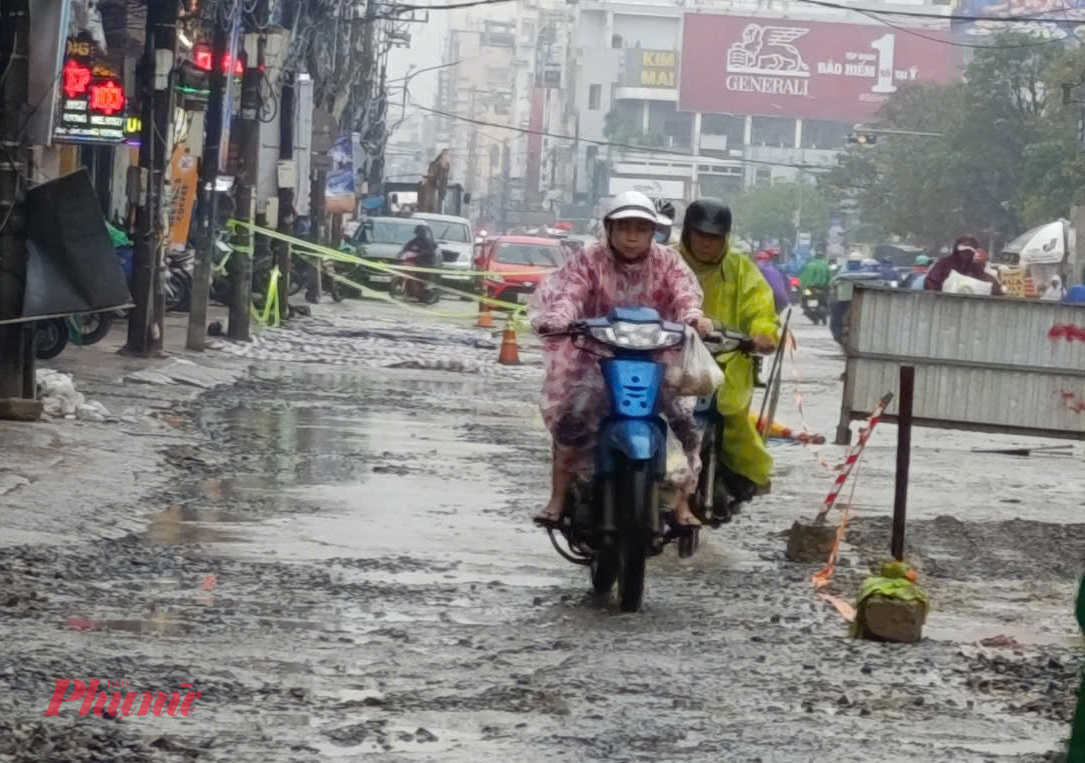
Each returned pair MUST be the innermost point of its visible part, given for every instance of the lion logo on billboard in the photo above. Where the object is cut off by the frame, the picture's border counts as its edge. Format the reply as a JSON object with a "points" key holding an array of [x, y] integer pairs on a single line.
{"points": [[768, 50]]}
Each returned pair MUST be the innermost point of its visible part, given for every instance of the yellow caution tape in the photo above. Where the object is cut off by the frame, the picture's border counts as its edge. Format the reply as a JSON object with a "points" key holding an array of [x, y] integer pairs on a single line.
{"points": [[309, 249], [343, 256]]}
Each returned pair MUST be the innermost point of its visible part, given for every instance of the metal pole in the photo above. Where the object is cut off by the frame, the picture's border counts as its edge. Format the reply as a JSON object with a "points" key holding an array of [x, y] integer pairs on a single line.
{"points": [[248, 141], [165, 41], [904, 450], [145, 249], [201, 275], [286, 193], [14, 49]]}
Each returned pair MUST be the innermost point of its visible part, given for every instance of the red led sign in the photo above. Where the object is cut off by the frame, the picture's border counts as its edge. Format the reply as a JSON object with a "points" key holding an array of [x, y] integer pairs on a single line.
{"points": [[107, 98], [76, 78]]}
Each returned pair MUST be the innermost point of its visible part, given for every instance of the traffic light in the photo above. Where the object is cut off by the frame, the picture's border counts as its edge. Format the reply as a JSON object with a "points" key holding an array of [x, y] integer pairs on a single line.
{"points": [[863, 138]]}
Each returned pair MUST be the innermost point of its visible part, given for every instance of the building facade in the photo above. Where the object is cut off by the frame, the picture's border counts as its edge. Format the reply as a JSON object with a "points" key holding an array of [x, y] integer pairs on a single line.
{"points": [[707, 99]]}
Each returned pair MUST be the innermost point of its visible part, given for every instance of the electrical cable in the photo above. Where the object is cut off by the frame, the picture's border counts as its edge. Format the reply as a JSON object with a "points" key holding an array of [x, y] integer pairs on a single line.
{"points": [[611, 144], [1024, 18]]}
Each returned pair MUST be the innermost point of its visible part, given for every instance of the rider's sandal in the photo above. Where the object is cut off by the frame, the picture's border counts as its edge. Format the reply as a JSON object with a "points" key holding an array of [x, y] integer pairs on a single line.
{"points": [[547, 521]]}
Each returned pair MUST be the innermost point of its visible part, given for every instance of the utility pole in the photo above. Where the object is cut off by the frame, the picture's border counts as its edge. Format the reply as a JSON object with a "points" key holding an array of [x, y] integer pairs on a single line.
{"points": [[248, 149], [286, 190], [145, 244], [218, 80], [16, 345], [164, 101]]}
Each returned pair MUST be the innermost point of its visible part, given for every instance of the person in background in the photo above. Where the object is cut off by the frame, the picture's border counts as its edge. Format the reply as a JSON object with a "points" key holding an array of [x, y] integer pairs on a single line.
{"points": [[775, 280], [961, 259], [816, 273], [922, 264], [1055, 291], [854, 263], [665, 212]]}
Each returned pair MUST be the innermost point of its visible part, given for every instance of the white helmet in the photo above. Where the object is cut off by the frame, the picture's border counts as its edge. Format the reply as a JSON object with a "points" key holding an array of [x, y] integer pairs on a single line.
{"points": [[855, 256], [631, 205]]}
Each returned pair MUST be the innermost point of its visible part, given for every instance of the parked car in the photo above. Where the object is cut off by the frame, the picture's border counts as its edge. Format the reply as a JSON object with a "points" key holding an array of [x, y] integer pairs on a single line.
{"points": [[456, 245], [380, 239], [525, 260]]}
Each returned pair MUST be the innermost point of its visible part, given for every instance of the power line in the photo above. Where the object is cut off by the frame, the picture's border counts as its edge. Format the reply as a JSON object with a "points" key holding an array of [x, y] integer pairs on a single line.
{"points": [[451, 6], [950, 42], [610, 144], [1024, 18]]}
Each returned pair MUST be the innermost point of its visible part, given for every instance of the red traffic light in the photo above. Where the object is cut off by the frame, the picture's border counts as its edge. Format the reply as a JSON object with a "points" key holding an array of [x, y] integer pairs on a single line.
{"points": [[202, 58]]}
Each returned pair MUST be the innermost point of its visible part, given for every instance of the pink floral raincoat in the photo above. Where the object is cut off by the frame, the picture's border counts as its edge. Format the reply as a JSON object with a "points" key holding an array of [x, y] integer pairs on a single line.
{"points": [[590, 284]]}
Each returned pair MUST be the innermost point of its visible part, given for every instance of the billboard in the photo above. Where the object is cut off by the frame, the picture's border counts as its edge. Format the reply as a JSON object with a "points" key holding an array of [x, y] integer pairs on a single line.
{"points": [[802, 69], [651, 68]]}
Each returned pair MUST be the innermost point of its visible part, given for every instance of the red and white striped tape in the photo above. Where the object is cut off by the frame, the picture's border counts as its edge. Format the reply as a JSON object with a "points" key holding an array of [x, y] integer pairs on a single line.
{"points": [[854, 454]]}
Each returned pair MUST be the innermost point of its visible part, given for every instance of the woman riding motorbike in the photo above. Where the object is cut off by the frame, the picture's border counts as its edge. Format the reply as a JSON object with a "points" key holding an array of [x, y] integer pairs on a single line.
{"points": [[737, 298], [627, 269]]}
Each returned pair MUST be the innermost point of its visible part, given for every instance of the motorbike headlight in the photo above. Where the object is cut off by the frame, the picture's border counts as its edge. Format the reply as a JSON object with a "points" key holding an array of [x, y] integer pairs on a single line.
{"points": [[636, 336], [807, 293]]}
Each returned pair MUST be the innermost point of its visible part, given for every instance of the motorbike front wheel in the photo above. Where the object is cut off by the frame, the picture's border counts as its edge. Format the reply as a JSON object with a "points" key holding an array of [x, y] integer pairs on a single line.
{"points": [[94, 327], [604, 570], [639, 503], [398, 289]]}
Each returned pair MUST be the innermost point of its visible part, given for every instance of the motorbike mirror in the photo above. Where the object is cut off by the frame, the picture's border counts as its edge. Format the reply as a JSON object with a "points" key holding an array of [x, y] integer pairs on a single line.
{"points": [[222, 246]]}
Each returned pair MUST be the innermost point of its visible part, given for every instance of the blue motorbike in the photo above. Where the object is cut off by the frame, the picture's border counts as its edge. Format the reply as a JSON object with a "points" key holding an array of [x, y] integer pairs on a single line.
{"points": [[614, 524]]}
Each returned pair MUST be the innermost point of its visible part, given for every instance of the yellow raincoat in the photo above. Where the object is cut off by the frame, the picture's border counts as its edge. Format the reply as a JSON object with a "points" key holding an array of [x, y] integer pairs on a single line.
{"points": [[739, 297]]}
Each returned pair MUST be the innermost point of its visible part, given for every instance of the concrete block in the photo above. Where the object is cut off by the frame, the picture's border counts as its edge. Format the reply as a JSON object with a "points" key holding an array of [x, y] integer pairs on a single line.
{"points": [[892, 619], [20, 409], [810, 542]]}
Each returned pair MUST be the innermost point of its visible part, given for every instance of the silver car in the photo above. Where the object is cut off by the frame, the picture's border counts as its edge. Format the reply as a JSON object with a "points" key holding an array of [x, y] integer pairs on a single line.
{"points": [[455, 245]]}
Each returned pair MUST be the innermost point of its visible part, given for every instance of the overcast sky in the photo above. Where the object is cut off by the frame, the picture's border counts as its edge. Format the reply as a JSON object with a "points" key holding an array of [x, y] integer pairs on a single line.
{"points": [[427, 48]]}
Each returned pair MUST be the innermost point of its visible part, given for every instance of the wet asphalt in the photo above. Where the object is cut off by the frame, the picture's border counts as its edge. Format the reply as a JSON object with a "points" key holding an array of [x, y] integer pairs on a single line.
{"points": [[339, 558]]}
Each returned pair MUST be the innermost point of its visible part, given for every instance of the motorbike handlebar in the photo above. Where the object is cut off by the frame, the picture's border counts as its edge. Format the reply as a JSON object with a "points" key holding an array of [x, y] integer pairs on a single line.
{"points": [[723, 342]]}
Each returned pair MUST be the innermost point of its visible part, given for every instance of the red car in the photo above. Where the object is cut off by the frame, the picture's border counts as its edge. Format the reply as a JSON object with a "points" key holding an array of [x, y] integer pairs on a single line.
{"points": [[520, 261]]}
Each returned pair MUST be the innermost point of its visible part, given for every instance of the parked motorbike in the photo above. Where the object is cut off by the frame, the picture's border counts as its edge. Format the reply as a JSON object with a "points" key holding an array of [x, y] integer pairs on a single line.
{"points": [[403, 287], [815, 304], [614, 524], [179, 269], [719, 493]]}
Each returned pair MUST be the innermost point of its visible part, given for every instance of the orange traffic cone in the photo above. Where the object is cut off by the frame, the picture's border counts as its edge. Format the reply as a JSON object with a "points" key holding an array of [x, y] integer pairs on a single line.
{"points": [[510, 353], [485, 317]]}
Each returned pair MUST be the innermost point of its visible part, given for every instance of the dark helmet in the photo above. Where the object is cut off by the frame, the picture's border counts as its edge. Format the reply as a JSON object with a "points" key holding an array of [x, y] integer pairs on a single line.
{"points": [[709, 216], [421, 231]]}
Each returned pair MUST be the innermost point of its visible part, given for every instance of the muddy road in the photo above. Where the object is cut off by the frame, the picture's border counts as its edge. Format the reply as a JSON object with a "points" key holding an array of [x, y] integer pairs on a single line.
{"points": [[338, 556]]}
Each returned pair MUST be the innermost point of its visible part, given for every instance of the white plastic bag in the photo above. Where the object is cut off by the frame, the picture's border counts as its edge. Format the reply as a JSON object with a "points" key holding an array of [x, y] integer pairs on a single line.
{"points": [[958, 283], [700, 372]]}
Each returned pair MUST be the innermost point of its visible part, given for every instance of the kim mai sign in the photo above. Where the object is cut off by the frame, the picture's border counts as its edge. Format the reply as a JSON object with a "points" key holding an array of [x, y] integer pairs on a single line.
{"points": [[651, 68]]}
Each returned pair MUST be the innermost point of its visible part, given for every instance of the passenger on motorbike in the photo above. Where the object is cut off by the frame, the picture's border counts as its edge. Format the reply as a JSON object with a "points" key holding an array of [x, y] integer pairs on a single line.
{"points": [[775, 279], [816, 274], [737, 298], [665, 213], [628, 269]]}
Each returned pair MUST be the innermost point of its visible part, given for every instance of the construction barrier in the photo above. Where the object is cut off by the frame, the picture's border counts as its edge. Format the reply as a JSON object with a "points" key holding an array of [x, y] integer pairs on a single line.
{"points": [[317, 251]]}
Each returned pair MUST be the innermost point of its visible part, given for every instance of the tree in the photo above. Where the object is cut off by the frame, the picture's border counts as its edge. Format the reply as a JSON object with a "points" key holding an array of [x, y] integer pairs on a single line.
{"points": [[1005, 159], [769, 211], [617, 128]]}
